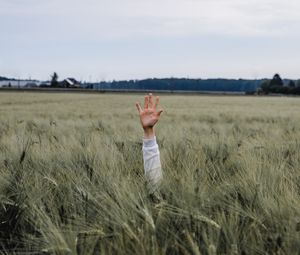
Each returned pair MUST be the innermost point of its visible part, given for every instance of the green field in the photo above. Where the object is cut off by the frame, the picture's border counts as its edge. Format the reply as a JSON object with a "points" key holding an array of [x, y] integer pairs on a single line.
{"points": [[71, 175]]}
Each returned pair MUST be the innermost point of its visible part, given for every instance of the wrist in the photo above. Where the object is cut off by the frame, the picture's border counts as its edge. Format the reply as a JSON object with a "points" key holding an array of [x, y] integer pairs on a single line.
{"points": [[149, 133]]}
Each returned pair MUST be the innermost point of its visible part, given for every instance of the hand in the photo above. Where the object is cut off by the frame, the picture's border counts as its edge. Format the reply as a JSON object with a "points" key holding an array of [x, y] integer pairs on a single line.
{"points": [[149, 115]]}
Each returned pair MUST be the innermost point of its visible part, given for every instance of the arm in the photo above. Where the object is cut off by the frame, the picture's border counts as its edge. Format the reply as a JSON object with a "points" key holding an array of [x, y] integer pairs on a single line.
{"points": [[152, 164], [149, 117]]}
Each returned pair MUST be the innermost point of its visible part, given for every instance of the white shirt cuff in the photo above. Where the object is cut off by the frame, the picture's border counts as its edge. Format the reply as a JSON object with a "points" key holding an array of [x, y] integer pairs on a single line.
{"points": [[149, 142]]}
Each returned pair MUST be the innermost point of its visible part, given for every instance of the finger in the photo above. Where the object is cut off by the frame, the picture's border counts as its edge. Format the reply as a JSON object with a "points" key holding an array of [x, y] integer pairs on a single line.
{"points": [[138, 106], [146, 102], [159, 112], [156, 102], [150, 100]]}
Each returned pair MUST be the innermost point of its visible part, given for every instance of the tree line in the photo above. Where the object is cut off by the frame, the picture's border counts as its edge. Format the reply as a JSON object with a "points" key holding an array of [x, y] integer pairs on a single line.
{"points": [[277, 86], [186, 84], [260, 86]]}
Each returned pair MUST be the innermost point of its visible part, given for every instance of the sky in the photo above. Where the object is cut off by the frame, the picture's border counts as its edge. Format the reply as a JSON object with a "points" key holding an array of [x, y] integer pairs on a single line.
{"points": [[96, 40]]}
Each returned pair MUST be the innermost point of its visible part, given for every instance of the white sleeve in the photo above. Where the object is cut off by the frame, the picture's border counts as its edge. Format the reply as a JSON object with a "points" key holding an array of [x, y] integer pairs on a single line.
{"points": [[152, 164]]}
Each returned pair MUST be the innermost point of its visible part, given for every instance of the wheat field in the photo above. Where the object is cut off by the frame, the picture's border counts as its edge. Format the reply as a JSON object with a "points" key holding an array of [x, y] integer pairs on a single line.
{"points": [[71, 175]]}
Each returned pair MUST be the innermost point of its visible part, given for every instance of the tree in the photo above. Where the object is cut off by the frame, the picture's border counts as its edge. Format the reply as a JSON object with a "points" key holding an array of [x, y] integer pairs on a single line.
{"points": [[277, 86], [265, 86], [276, 81], [292, 84], [298, 84], [54, 80]]}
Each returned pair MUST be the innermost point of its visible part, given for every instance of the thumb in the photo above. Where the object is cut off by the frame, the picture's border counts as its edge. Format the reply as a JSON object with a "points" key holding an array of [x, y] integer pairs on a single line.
{"points": [[138, 106], [159, 112]]}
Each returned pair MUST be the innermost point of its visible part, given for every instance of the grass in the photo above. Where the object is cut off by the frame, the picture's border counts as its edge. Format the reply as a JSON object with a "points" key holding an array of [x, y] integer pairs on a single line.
{"points": [[71, 176]]}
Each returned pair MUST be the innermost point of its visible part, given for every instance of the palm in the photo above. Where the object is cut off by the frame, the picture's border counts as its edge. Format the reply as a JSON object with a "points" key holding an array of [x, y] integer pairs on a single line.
{"points": [[149, 115]]}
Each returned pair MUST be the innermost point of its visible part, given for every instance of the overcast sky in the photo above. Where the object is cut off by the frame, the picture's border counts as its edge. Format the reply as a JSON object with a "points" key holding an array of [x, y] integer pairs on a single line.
{"points": [[133, 39]]}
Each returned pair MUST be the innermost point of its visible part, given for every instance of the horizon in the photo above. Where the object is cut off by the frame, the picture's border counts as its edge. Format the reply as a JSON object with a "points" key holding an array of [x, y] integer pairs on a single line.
{"points": [[137, 39], [149, 78]]}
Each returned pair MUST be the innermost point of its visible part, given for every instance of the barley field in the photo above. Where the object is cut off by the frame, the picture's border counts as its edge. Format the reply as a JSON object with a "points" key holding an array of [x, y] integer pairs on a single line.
{"points": [[71, 175]]}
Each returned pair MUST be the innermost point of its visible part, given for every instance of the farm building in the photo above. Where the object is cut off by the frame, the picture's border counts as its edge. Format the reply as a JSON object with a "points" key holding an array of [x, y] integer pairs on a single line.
{"points": [[69, 83]]}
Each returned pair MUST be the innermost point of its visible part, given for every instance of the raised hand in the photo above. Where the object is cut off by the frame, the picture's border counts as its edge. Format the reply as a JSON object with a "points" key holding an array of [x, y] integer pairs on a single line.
{"points": [[149, 115]]}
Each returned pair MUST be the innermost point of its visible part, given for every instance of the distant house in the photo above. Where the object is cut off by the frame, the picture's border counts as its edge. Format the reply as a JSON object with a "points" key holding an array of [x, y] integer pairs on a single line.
{"points": [[69, 83]]}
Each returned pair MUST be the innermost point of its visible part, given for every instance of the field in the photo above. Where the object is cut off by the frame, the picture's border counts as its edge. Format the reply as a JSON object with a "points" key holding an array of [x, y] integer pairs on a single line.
{"points": [[71, 175]]}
